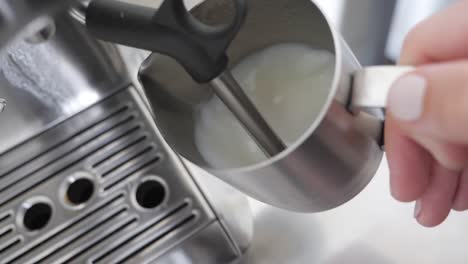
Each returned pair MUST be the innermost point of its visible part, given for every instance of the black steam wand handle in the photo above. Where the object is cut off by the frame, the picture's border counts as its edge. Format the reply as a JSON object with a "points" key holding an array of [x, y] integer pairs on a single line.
{"points": [[170, 30]]}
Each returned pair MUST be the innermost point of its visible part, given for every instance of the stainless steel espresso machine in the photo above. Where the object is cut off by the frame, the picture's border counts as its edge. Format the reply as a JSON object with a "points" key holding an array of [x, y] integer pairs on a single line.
{"points": [[85, 176], [85, 173]]}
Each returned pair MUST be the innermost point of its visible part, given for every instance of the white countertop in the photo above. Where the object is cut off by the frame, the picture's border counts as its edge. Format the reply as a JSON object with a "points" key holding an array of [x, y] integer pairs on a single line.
{"points": [[372, 228]]}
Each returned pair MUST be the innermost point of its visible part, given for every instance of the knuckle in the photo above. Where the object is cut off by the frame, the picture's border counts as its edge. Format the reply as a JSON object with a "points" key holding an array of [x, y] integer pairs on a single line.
{"points": [[450, 104], [413, 38], [414, 46]]}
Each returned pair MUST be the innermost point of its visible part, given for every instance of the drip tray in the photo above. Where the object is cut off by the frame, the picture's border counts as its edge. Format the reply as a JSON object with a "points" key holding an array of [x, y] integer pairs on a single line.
{"points": [[101, 187]]}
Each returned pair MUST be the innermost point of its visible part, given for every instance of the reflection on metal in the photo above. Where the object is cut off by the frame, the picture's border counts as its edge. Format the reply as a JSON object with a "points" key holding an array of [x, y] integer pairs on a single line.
{"points": [[364, 24], [78, 11], [3, 103], [46, 83]]}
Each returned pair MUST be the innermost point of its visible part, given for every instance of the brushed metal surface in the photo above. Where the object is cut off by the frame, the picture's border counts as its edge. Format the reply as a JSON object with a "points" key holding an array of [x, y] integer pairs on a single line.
{"points": [[233, 212], [190, 253], [45, 83], [3, 104]]}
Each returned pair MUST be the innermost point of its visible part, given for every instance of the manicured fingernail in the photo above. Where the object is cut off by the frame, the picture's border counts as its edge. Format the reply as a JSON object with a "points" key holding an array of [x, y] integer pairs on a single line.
{"points": [[417, 209], [406, 98]]}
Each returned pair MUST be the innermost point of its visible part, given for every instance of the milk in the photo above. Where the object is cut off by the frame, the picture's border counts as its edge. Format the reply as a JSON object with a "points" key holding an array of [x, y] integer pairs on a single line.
{"points": [[288, 83]]}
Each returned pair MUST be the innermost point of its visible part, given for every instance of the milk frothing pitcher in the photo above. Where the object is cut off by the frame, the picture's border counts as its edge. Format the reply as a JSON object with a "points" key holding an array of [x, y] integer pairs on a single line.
{"points": [[341, 149]]}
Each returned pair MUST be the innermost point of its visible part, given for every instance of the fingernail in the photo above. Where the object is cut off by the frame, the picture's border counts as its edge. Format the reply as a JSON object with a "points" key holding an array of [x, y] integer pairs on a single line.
{"points": [[406, 98], [417, 209]]}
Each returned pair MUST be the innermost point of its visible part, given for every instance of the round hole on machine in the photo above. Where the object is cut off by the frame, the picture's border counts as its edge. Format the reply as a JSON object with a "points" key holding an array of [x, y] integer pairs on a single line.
{"points": [[37, 216], [43, 34], [150, 194], [80, 191]]}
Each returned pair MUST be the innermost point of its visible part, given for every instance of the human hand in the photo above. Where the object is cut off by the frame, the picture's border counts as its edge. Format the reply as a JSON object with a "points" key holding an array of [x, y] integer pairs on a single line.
{"points": [[427, 125]]}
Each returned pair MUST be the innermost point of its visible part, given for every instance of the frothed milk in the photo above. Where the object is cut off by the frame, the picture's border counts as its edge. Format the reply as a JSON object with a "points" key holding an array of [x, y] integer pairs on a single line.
{"points": [[289, 84]]}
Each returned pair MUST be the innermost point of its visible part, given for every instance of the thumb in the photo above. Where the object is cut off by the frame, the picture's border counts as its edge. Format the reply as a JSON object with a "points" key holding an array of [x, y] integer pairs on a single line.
{"points": [[431, 106]]}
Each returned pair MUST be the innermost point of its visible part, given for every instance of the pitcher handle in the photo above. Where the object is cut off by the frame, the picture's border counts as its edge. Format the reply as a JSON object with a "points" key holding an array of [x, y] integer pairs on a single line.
{"points": [[371, 85], [370, 90]]}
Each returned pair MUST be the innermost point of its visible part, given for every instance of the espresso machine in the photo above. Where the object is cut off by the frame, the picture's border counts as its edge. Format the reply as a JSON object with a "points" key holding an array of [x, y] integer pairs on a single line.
{"points": [[85, 176]]}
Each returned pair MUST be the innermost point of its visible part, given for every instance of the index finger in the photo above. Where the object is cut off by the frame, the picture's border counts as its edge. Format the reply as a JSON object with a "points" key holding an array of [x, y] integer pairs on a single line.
{"points": [[442, 37]]}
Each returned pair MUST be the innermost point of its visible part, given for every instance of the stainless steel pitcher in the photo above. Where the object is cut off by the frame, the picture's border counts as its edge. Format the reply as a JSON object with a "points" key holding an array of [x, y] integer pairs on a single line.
{"points": [[340, 151]]}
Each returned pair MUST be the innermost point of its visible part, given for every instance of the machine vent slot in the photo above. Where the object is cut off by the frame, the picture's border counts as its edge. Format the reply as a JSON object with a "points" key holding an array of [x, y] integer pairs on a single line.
{"points": [[62, 234], [69, 152], [116, 132], [176, 217], [6, 229], [127, 161], [95, 231], [70, 138], [115, 229], [111, 154], [5, 232], [182, 223], [4, 217], [132, 171], [9, 245]]}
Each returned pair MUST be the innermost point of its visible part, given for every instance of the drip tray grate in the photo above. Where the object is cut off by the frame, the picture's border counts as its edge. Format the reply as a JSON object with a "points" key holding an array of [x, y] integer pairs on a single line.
{"points": [[100, 187]]}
